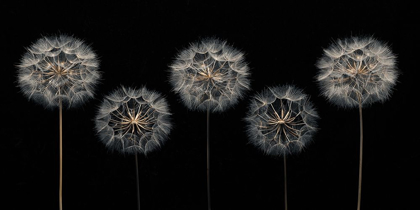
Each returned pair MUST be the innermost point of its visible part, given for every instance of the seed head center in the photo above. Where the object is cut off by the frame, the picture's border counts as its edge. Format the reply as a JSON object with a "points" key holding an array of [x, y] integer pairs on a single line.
{"points": [[357, 68], [59, 71], [134, 120], [280, 121], [209, 74]]}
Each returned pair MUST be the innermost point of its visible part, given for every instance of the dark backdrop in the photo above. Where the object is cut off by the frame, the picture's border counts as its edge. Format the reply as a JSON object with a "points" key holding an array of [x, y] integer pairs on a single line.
{"points": [[137, 40]]}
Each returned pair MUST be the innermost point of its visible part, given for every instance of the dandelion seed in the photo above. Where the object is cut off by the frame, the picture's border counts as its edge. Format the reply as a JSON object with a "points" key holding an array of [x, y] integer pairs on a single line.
{"points": [[57, 71], [356, 72]]}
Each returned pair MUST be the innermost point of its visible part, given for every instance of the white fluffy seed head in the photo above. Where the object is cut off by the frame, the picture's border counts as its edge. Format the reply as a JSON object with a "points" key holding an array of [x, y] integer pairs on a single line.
{"points": [[281, 120], [133, 120], [210, 75], [59, 67], [357, 69]]}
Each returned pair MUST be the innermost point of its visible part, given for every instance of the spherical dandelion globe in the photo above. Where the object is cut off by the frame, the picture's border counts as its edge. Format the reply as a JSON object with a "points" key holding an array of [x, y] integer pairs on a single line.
{"points": [[357, 70], [210, 75], [58, 69], [133, 120], [281, 120]]}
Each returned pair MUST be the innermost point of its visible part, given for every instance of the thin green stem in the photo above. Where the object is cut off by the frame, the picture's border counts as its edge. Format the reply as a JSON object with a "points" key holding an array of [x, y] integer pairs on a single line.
{"points": [[60, 192], [138, 182], [359, 199], [285, 183], [208, 159]]}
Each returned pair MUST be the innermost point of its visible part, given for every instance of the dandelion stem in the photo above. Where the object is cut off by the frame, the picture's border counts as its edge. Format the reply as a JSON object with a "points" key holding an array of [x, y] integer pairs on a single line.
{"points": [[208, 158], [60, 192], [285, 183], [361, 155], [137, 182]]}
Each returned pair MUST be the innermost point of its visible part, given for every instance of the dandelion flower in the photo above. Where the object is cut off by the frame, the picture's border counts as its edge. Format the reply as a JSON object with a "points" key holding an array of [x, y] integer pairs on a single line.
{"points": [[210, 75], [133, 120], [357, 69], [56, 71], [60, 68], [356, 72], [281, 120]]}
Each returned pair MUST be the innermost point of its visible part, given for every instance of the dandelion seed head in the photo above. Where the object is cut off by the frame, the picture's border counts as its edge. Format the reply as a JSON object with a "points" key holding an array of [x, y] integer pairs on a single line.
{"points": [[356, 69], [281, 120], [60, 67], [133, 120], [210, 74]]}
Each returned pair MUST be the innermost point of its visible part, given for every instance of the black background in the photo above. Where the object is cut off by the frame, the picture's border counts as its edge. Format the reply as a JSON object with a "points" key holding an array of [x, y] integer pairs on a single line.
{"points": [[137, 40]]}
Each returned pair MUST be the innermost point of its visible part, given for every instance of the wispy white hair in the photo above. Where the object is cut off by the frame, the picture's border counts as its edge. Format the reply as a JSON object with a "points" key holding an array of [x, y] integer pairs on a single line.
{"points": [[210, 75], [58, 67], [281, 120], [356, 69], [133, 120]]}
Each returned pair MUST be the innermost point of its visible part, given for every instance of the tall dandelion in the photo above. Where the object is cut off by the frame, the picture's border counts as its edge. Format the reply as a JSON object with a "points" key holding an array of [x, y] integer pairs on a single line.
{"points": [[210, 76], [58, 71], [356, 72], [281, 121], [133, 121]]}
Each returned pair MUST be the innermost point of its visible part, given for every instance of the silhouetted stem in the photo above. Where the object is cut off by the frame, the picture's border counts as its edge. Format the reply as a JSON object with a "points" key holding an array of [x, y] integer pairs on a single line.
{"points": [[208, 158], [359, 199], [138, 182], [285, 183], [60, 193]]}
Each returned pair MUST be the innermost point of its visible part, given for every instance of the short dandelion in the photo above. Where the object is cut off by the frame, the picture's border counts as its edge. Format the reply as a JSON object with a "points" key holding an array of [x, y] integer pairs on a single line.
{"points": [[356, 72], [281, 121], [59, 71], [210, 76], [133, 121]]}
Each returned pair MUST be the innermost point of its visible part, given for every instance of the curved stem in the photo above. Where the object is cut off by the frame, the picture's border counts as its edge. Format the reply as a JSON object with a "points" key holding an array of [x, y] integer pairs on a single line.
{"points": [[138, 182], [285, 183], [60, 193], [208, 158], [361, 156]]}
